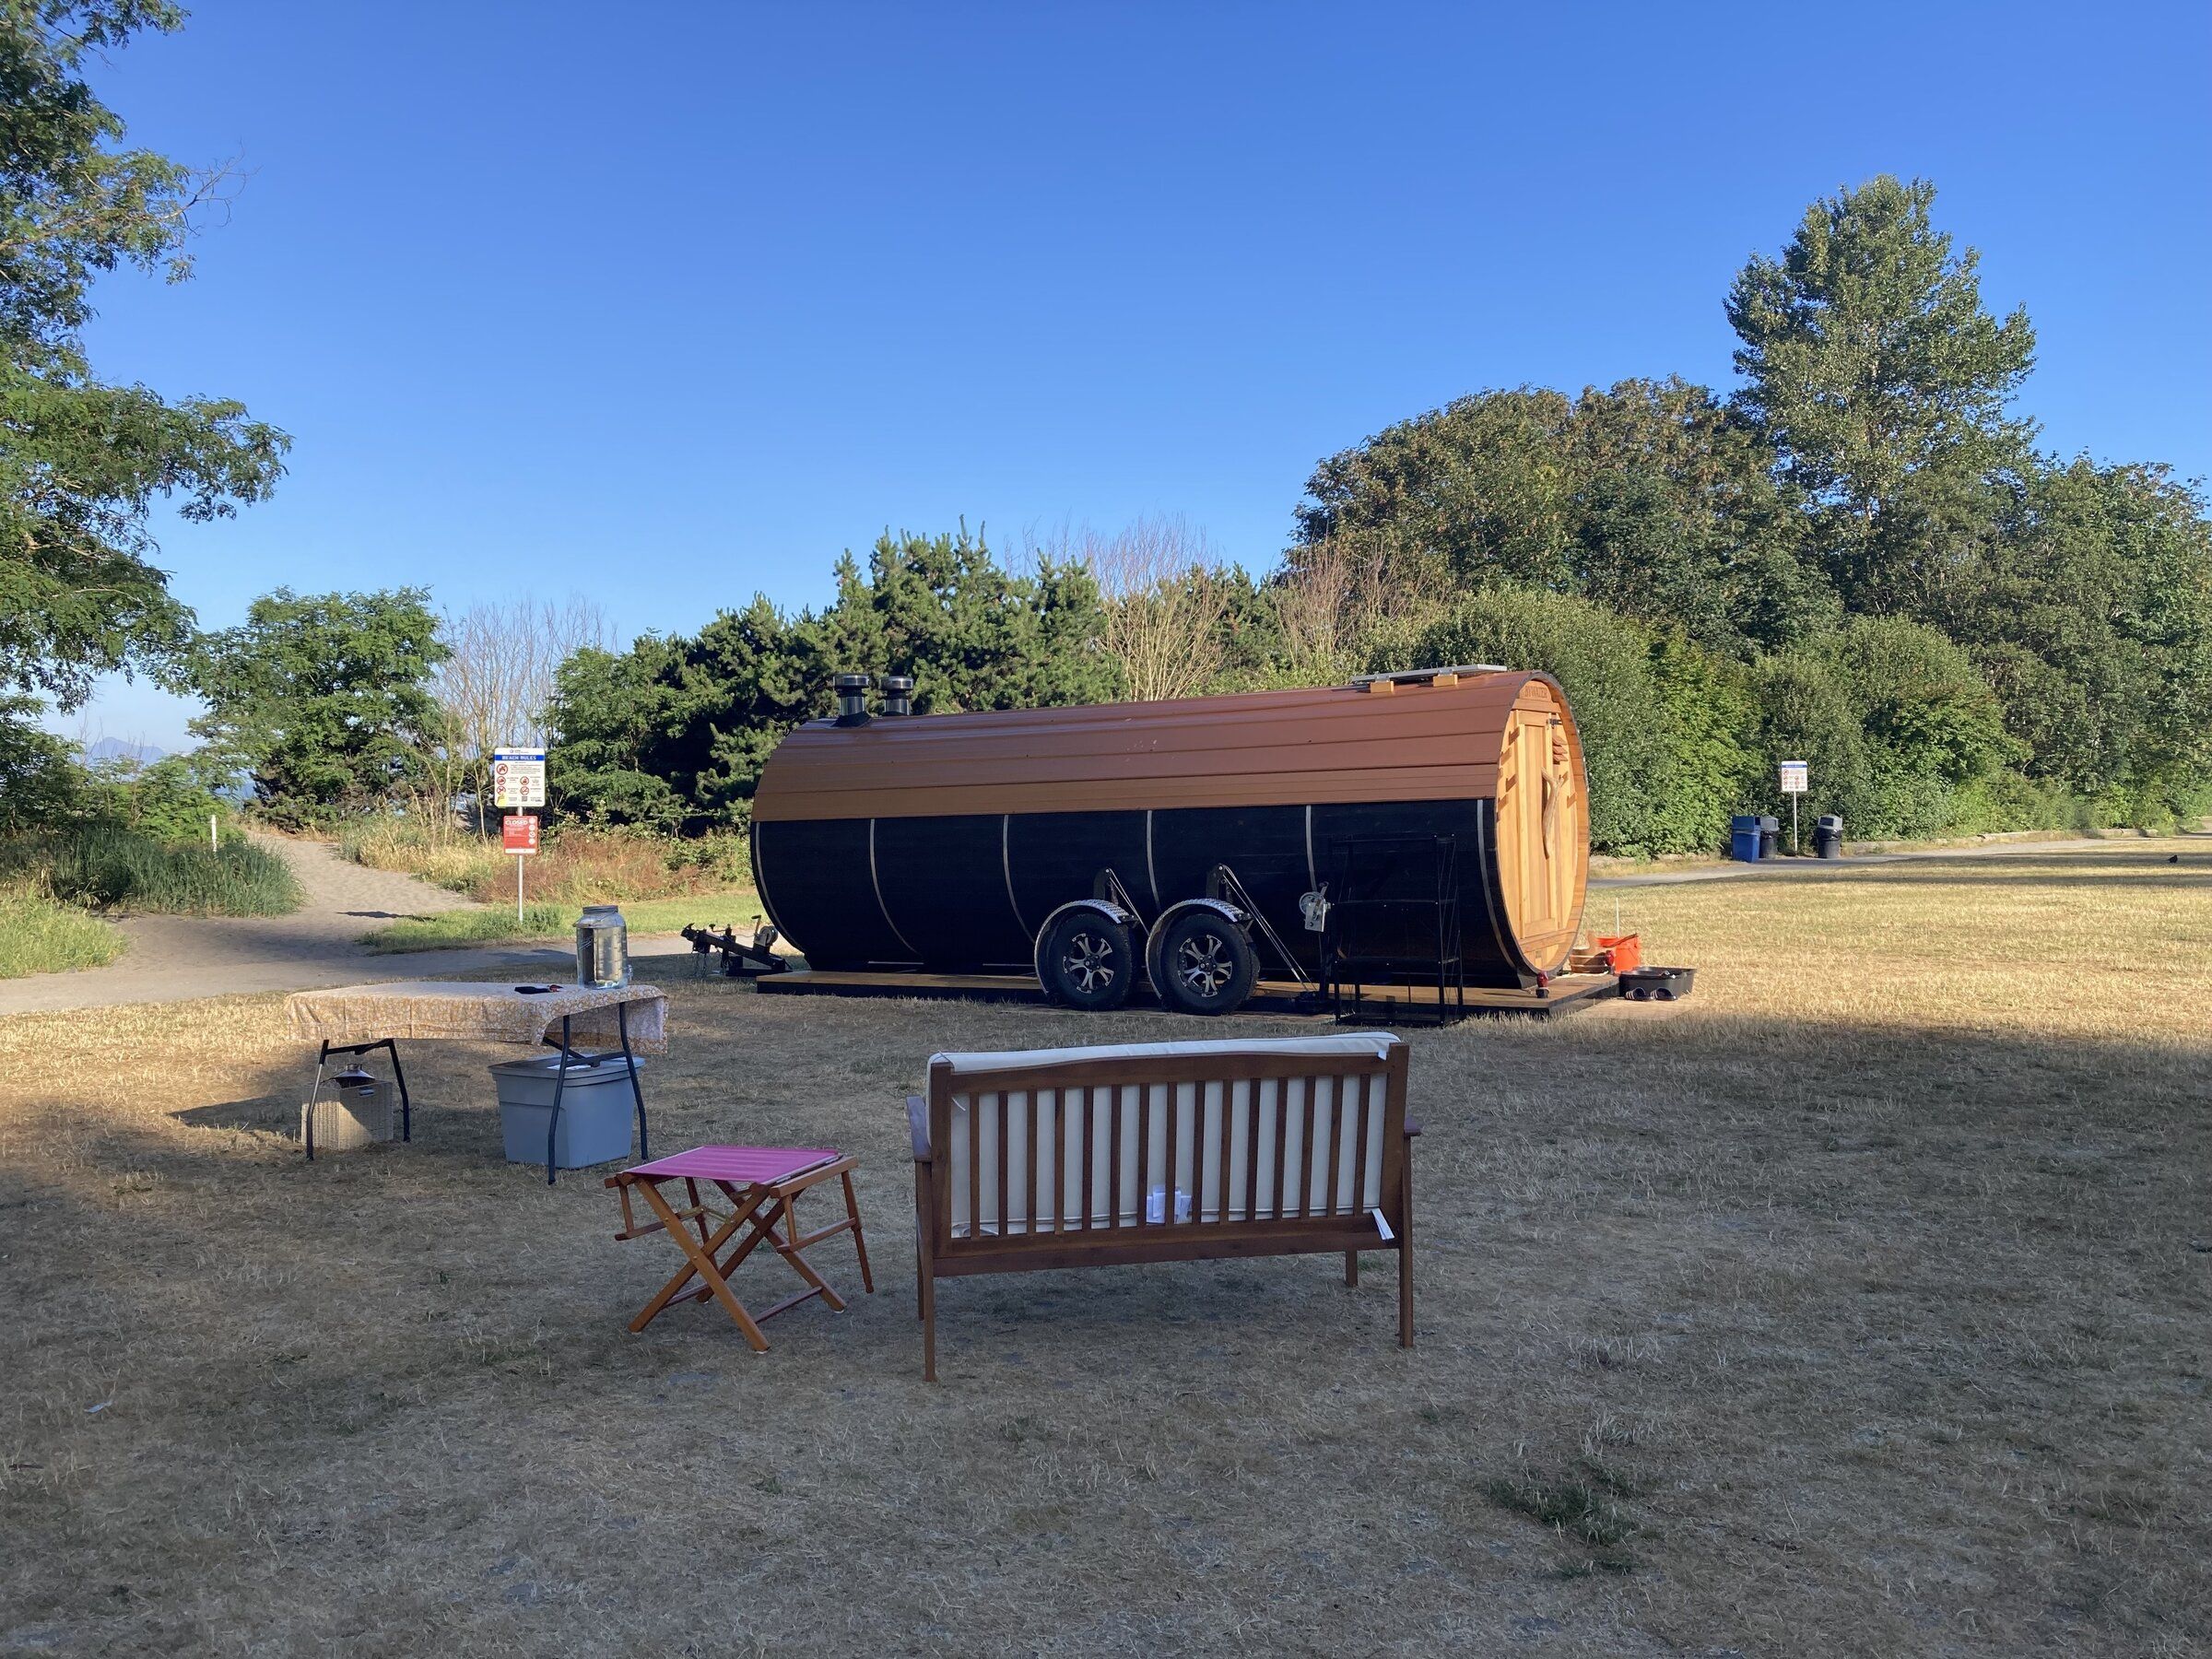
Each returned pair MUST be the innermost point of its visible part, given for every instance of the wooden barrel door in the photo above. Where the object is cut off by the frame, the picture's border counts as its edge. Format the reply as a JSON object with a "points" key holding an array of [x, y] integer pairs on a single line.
{"points": [[1542, 819]]}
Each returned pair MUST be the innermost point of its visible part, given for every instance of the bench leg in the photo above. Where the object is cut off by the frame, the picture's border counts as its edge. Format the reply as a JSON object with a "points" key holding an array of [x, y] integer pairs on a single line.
{"points": [[1405, 1254], [929, 1327], [921, 1231], [925, 1292], [1351, 1268]]}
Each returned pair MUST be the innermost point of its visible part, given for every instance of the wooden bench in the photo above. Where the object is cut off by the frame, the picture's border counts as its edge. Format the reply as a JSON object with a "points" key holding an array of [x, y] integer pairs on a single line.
{"points": [[1162, 1152]]}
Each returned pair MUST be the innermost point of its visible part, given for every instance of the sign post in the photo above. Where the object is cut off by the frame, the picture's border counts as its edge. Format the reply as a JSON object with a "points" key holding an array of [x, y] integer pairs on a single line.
{"points": [[518, 835], [1794, 776], [518, 780]]}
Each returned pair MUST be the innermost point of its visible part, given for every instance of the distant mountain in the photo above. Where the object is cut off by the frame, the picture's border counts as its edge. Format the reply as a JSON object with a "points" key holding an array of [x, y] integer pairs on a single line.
{"points": [[115, 748]]}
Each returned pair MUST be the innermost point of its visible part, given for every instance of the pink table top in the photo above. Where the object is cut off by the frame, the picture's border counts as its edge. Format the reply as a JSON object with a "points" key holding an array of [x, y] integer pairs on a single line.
{"points": [[741, 1166]]}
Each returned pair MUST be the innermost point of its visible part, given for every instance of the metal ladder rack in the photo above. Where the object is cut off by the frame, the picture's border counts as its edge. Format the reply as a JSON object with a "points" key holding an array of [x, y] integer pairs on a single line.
{"points": [[1393, 920]]}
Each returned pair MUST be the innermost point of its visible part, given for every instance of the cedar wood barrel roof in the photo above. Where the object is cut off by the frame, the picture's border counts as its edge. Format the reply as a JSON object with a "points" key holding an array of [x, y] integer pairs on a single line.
{"points": [[1333, 744]]}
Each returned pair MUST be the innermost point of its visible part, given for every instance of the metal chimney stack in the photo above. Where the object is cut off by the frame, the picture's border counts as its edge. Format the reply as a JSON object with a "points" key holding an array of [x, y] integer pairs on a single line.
{"points": [[852, 699], [898, 694]]}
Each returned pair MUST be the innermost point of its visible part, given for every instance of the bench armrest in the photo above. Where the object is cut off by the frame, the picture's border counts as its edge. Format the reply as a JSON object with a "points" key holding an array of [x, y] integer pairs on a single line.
{"points": [[917, 1123]]}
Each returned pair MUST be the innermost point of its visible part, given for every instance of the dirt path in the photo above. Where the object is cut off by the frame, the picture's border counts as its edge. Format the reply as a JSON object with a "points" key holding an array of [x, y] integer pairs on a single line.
{"points": [[173, 959]]}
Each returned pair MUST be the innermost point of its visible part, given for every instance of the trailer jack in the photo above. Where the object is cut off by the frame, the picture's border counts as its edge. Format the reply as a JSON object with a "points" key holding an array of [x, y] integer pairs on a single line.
{"points": [[740, 959]]}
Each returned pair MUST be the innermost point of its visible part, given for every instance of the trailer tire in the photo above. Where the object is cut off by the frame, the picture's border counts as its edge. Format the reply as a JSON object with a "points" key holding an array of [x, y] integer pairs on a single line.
{"points": [[1087, 959], [1202, 963]]}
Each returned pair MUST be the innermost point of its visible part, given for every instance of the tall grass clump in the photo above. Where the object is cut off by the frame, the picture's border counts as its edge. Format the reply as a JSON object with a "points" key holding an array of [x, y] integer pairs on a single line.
{"points": [[104, 866], [575, 866], [443, 856], [39, 934]]}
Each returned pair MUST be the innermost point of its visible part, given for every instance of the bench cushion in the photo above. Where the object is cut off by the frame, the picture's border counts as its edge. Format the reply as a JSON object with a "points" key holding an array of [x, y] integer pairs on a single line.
{"points": [[1336, 1042]]}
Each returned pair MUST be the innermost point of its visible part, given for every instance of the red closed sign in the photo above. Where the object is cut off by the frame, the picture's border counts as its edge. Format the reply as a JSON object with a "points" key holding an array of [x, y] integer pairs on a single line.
{"points": [[518, 832]]}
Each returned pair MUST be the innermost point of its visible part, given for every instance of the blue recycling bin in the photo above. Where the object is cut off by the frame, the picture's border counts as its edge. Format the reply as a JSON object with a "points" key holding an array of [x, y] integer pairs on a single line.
{"points": [[1743, 838]]}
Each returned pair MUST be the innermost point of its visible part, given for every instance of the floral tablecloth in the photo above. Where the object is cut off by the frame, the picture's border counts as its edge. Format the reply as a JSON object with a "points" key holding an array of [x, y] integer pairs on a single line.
{"points": [[478, 1012]]}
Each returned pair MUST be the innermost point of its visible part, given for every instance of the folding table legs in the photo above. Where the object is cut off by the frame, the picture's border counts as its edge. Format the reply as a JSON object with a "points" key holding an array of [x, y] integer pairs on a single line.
{"points": [[637, 1090], [560, 1080], [702, 1266]]}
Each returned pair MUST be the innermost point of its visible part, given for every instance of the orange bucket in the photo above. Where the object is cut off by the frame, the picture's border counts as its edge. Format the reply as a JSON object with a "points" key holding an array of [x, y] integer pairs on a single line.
{"points": [[1626, 948]]}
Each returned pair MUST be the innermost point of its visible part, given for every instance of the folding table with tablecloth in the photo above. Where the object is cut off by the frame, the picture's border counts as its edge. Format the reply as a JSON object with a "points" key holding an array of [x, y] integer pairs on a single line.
{"points": [[358, 1020]]}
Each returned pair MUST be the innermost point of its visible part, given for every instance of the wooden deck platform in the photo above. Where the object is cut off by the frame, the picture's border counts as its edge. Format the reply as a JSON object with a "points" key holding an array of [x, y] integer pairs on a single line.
{"points": [[1563, 995]]}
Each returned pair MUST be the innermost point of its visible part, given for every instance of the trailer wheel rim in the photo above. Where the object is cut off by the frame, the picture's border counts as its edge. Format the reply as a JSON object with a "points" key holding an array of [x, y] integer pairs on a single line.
{"points": [[1204, 965], [1087, 963]]}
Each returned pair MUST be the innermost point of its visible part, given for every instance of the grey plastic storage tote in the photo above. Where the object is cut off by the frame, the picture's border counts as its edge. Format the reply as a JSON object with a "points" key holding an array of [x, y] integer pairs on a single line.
{"points": [[596, 1111]]}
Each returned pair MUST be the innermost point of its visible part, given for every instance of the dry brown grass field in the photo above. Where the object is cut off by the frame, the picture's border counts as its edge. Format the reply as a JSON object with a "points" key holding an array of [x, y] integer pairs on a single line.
{"points": [[1860, 1304]]}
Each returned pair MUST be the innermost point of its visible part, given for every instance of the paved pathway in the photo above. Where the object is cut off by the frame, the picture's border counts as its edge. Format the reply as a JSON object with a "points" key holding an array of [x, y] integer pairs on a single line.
{"points": [[174, 958], [1815, 868]]}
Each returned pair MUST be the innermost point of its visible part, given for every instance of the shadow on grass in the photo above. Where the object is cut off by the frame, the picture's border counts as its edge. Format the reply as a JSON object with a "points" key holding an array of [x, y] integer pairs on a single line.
{"points": [[1848, 1292]]}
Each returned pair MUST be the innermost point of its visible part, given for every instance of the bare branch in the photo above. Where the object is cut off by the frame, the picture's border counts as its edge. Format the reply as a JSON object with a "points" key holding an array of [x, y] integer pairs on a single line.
{"points": [[497, 687], [1167, 605]]}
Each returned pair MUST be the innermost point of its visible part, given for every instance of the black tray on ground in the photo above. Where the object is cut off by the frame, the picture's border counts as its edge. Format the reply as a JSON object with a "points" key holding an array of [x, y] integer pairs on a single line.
{"points": [[1664, 984]]}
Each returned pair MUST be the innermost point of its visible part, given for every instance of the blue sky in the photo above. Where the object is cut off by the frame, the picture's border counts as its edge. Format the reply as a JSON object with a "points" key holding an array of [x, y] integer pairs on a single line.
{"points": [[665, 306]]}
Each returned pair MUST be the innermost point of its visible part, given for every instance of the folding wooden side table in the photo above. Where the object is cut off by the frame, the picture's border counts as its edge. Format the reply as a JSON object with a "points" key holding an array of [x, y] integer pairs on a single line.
{"points": [[761, 1185]]}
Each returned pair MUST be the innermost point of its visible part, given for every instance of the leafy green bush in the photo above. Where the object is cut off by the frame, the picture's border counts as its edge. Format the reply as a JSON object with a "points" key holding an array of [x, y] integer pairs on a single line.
{"points": [[39, 934], [1902, 734], [2009, 800], [102, 867], [1806, 713], [1601, 661], [1664, 725], [40, 782]]}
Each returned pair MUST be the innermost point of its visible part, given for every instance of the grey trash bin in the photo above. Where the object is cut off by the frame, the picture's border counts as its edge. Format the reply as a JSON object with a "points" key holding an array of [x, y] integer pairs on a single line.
{"points": [[1770, 837], [1828, 836], [596, 1109]]}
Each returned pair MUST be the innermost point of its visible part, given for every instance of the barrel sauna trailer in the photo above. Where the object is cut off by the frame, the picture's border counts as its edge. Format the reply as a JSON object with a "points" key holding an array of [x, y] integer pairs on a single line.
{"points": [[1185, 842]]}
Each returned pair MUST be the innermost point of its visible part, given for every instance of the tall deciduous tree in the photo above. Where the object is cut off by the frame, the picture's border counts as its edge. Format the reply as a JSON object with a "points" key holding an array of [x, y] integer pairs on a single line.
{"points": [[1649, 496], [2094, 624], [83, 461], [323, 699], [1885, 387]]}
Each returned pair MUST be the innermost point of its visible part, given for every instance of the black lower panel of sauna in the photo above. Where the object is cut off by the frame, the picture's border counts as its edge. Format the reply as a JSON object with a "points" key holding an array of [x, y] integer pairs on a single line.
{"points": [[1412, 933], [943, 884], [1266, 848], [1056, 856], [816, 881]]}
